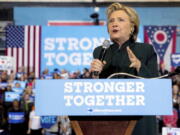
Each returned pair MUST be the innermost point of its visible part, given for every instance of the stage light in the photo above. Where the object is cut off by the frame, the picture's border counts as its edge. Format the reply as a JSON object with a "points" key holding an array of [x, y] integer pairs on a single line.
{"points": [[95, 17]]}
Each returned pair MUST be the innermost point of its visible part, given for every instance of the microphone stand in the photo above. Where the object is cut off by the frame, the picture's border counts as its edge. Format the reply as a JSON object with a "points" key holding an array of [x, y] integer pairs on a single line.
{"points": [[175, 72]]}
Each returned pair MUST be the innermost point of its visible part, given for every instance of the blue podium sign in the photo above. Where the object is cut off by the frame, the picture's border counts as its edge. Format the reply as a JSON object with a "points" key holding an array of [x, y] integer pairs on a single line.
{"points": [[82, 97]]}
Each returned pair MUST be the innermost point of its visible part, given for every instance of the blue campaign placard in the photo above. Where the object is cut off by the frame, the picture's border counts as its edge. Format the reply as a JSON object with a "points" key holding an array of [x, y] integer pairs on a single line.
{"points": [[16, 117], [70, 47], [80, 97], [11, 96], [17, 90], [48, 121], [22, 83], [3, 84], [175, 59]]}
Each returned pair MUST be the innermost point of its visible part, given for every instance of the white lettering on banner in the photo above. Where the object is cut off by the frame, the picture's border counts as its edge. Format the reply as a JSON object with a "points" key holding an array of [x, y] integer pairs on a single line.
{"points": [[61, 59], [101, 93], [75, 59], [85, 44], [48, 119], [49, 44], [16, 116], [60, 42], [98, 87], [103, 100], [49, 57], [72, 43], [74, 51], [87, 57]]}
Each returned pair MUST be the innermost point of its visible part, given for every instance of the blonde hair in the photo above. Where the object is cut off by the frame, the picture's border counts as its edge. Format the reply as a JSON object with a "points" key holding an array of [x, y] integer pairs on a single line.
{"points": [[133, 16]]}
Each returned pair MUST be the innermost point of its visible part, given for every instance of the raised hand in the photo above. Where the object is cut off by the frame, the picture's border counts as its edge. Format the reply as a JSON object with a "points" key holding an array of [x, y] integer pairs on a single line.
{"points": [[135, 62]]}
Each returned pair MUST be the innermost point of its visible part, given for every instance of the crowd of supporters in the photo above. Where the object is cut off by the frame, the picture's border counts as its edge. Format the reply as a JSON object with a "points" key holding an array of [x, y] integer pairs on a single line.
{"points": [[17, 115]]}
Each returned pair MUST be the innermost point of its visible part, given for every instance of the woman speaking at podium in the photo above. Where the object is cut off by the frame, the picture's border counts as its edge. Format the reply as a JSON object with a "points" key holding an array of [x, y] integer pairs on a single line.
{"points": [[127, 56]]}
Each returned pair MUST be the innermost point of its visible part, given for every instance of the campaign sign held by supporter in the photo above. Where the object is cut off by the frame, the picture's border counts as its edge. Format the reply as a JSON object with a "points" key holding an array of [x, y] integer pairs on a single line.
{"points": [[21, 83], [48, 121], [11, 96], [17, 90], [6, 63], [170, 131], [3, 84], [175, 59], [16, 117]]}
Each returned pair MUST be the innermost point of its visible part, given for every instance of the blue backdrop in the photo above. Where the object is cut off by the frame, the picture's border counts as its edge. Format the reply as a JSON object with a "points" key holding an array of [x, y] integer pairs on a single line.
{"points": [[41, 15], [70, 47]]}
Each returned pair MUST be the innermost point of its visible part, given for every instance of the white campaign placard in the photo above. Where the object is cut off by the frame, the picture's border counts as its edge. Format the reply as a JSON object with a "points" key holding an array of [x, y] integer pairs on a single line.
{"points": [[170, 131], [6, 63]]}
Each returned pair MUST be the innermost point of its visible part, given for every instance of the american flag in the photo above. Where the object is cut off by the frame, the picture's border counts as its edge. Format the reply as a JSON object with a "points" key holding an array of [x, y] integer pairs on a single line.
{"points": [[163, 38], [23, 43]]}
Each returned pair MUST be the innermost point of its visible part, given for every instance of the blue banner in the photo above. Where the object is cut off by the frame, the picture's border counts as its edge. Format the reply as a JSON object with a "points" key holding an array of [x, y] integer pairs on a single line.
{"points": [[104, 97], [16, 117], [3, 84], [70, 47], [175, 59], [48, 121]]}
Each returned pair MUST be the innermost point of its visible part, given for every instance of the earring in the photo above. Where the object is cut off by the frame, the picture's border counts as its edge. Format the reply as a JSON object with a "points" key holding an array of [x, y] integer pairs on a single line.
{"points": [[132, 30]]}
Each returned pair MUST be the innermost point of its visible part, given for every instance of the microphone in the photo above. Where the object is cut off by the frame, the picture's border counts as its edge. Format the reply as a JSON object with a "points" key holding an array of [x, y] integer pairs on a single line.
{"points": [[105, 46]]}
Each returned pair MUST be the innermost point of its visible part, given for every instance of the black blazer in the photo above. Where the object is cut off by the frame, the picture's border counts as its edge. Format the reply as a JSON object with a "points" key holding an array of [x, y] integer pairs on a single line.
{"points": [[118, 61]]}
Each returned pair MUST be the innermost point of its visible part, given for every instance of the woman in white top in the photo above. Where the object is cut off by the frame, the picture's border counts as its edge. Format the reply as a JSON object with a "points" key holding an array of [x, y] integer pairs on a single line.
{"points": [[34, 123]]}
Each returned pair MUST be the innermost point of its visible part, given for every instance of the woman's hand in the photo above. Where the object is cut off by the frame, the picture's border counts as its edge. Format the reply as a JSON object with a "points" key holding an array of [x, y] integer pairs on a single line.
{"points": [[29, 131], [135, 62], [97, 65]]}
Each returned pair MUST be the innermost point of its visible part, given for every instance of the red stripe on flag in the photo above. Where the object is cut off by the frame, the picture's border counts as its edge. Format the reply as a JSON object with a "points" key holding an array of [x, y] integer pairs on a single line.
{"points": [[75, 23], [28, 46], [173, 47], [174, 42], [146, 39], [17, 58], [22, 57], [11, 51], [29, 56]]}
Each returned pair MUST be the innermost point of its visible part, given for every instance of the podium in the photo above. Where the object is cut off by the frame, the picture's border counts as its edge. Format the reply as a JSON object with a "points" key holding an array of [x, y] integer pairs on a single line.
{"points": [[104, 106], [102, 126]]}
